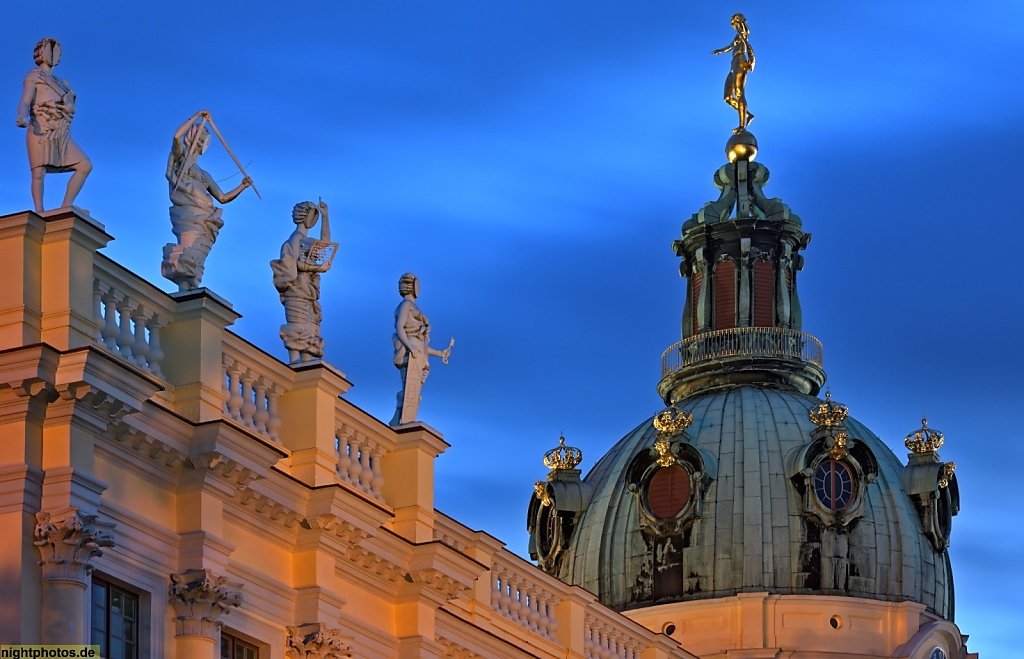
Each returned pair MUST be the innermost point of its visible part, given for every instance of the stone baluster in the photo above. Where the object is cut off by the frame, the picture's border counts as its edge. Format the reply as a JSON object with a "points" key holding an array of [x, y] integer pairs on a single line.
{"points": [[110, 329], [125, 337], [589, 644], [378, 476], [234, 397], [344, 459], [273, 418], [248, 403], [262, 415], [519, 599], [98, 290], [495, 589], [199, 598], [140, 348], [156, 353], [504, 600], [357, 468], [366, 475], [543, 621], [602, 641], [533, 610]]}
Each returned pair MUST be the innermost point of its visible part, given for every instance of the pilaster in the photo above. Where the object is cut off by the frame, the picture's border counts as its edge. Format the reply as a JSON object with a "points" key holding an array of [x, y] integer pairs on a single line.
{"points": [[21, 239], [195, 338], [70, 241], [571, 615], [409, 480], [308, 421]]}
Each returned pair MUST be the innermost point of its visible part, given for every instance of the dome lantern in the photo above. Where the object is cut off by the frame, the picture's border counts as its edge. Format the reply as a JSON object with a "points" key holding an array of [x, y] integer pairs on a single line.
{"points": [[741, 321]]}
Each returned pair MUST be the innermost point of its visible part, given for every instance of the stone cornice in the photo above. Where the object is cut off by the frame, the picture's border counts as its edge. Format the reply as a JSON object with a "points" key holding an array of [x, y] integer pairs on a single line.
{"points": [[29, 371]]}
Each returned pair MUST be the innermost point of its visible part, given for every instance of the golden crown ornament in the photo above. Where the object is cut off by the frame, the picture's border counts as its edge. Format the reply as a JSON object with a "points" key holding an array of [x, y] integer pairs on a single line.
{"points": [[562, 457], [829, 413], [924, 439]]}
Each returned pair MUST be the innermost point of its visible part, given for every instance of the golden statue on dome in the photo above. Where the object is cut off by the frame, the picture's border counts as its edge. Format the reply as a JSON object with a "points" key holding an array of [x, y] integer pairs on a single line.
{"points": [[742, 63]]}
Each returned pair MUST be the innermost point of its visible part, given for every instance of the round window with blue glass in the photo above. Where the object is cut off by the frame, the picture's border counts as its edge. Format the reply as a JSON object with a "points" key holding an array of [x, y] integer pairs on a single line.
{"points": [[937, 653], [833, 484]]}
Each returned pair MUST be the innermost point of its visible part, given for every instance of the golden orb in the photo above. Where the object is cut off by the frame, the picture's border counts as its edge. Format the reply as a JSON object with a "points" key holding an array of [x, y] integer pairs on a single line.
{"points": [[741, 146]]}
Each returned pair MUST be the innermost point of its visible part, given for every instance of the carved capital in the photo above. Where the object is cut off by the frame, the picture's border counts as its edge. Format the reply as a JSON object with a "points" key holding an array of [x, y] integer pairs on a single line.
{"points": [[315, 640], [67, 541], [199, 598]]}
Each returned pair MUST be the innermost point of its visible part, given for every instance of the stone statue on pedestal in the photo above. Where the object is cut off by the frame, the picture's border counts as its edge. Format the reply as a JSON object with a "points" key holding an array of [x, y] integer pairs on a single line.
{"points": [[297, 279], [195, 221], [412, 348], [46, 109]]}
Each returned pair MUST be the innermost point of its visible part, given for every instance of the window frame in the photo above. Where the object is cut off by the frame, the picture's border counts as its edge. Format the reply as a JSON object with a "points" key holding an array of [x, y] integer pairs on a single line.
{"points": [[111, 586], [235, 641]]}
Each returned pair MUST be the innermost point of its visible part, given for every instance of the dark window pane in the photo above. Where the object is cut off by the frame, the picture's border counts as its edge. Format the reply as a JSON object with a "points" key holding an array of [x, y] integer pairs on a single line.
{"points": [[99, 593]]}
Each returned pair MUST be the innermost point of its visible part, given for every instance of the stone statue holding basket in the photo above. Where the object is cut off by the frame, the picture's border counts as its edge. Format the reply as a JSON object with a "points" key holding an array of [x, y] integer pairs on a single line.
{"points": [[297, 279]]}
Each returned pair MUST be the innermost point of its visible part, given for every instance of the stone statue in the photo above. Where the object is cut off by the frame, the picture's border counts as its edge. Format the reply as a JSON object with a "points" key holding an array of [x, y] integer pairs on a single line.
{"points": [[412, 348], [195, 221], [46, 109], [742, 62], [297, 279]]}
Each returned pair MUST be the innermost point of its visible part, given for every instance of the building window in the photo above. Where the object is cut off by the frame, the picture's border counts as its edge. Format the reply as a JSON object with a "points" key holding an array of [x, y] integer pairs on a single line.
{"points": [[232, 647], [764, 295], [725, 295], [833, 484], [115, 621], [669, 491]]}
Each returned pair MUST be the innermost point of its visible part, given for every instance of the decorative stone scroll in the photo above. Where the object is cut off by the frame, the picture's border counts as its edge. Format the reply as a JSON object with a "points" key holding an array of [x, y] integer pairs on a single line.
{"points": [[199, 598], [315, 640], [68, 541]]}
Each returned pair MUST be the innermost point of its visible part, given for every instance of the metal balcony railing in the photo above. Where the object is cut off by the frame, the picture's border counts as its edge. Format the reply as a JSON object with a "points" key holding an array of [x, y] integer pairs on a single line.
{"points": [[741, 342]]}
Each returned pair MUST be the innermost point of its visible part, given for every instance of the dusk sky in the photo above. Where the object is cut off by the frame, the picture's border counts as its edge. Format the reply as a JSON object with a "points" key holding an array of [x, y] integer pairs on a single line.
{"points": [[532, 161]]}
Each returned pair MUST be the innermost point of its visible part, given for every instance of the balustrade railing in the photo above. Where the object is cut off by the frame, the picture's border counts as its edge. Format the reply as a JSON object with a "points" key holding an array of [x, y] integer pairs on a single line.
{"points": [[128, 314], [741, 342], [523, 599], [603, 639], [252, 387], [359, 461]]}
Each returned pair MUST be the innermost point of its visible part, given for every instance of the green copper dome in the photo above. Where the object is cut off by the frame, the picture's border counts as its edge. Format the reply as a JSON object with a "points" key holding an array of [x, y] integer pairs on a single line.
{"points": [[759, 524]]}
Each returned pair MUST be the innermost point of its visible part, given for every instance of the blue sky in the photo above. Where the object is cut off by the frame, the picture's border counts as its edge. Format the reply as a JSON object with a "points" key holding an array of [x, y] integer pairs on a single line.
{"points": [[532, 162]]}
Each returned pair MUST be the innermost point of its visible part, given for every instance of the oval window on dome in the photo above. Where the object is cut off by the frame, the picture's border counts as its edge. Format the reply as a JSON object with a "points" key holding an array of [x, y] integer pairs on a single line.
{"points": [[833, 484], [548, 522], [669, 491], [937, 653]]}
